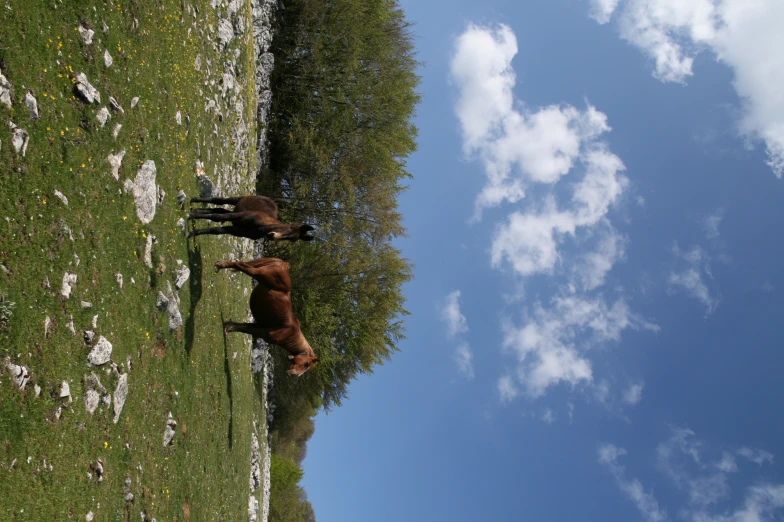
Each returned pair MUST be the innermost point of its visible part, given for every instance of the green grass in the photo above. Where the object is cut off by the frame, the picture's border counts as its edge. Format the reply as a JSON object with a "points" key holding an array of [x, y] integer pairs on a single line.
{"points": [[190, 372]]}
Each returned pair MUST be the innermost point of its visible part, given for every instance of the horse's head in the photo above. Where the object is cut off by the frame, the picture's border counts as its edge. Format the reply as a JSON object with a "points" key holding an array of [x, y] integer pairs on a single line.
{"points": [[301, 363], [291, 233]]}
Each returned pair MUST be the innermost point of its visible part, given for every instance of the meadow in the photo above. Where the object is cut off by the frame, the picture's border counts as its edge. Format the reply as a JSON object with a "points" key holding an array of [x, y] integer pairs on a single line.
{"points": [[183, 95]]}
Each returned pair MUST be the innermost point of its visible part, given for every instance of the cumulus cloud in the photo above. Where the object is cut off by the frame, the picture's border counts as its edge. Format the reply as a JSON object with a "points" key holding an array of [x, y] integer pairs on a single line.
{"points": [[457, 324], [644, 501], [554, 152], [633, 394], [744, 35], [691, 277], [517, 146], [602, 10], [545, 345]]}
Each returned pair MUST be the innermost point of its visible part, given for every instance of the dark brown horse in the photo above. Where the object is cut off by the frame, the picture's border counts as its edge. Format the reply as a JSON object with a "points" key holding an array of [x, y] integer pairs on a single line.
{"points": [[254, 217], [270, 304]]}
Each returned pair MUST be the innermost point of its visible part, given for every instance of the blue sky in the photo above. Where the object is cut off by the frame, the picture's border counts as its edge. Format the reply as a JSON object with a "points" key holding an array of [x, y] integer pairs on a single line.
{"points": [[594, 325]]}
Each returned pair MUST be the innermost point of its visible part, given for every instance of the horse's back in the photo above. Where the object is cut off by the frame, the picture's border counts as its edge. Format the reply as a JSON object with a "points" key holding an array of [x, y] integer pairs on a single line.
{"points": [[261, 204]]}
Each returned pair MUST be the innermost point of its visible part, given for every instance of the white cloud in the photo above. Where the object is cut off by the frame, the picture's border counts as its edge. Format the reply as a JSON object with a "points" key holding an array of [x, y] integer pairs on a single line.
{"points": [[548, 416], [456, 323], [691, 278], [757, 456], [540, 150], [712, 223], [727, 463], [465, 361], [546, 348], [517, 146], [633, 395], [592, 267], [602, 10], [645, 502], [704, 483], [507, 389], [744, 35]]}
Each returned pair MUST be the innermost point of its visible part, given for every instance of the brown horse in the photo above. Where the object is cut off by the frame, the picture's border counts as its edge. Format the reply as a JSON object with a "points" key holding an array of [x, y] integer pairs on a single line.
{"points": [[254, 217], [270, 304]]}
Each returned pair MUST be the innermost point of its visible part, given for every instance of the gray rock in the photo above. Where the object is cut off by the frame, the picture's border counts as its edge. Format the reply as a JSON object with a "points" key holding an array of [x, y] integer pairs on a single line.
{"points": [[69, 280], [196, 63], [107, 399], [91, 400], [225, 32], [87, 34], [37, 390], [181, 225], [151, 240], [175, 319], [65, 391], [85, 90], [182, 276], [120, 394], [115, 161], [134, 101], [70, 326], [32, 104], [116, 131], [89, 517], [103, 116], [19, 374], [145, 192], [161, 195], [86, 304], [178, 118], [168, 431], [61, 197], [163, 302], [181, 197], [6, 91], [89, 335], [119, 278], [19, 138], [115, 105], [101, 352], [107, 58]]}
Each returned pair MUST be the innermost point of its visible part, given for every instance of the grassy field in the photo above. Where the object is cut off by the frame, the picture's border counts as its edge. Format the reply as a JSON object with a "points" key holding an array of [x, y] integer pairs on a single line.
{"points": [[195, 373]]}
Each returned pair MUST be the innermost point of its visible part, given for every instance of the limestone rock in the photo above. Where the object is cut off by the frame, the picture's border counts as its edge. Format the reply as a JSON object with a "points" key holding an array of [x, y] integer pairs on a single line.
{"points": [[85, 90], [168, 432], [6, 91], [101, 352], [145, 192], [19, 139], [120, 394], [103, 116], [115, 161], [107, 58], [87, 34], [32, 104], [69, 280], [182, 276], [91, 400]]}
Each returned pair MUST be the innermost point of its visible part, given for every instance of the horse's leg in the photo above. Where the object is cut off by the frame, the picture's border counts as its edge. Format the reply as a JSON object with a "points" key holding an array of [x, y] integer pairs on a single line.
{"points": [[218, 216], [217, 201], [213, 230], [197, 212], [248, 328], [268, 271]]}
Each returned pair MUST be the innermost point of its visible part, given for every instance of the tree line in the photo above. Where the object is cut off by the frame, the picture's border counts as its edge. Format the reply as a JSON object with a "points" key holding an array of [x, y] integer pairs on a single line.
{"points": [[344, 94]]}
